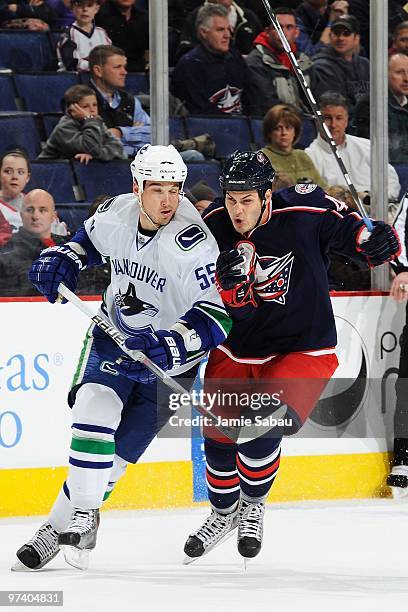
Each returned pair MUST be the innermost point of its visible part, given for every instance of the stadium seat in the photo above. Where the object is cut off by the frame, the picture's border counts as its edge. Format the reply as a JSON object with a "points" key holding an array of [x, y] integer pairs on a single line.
{"points": [[137, 83], [73, 213], [308, 134], [49, 121], [20, 129], [8, 93], [42, 92], [229, 133], [111, 178], [402, 171], [256, 127], [177, 128], [208, 171], [25, 51], [55, 177]]}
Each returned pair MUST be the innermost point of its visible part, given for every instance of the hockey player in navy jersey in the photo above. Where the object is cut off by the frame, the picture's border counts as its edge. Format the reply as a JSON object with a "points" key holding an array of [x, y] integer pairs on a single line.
{"points": [[272, 276], [159, 249]]}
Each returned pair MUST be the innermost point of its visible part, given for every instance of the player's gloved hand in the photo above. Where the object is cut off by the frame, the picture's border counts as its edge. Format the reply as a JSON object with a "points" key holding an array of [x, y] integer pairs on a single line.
{"points": [[55, 265], [381, 245], [235, 275], [165, 348]]}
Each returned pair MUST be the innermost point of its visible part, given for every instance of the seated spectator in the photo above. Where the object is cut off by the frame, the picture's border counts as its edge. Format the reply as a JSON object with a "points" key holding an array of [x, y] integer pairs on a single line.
{"points": [[400, 39], [398, 108], [272, 78], [77, 42], [360, 9], [128, 28], [282, 127], [244, 26], [121, 111], [26, 14], [201, 195], [64, 17], [14, 175], [81, 134], [353, 150], [5, 230], [37, 216], [314, 19], [212, 79], [338, 65]]}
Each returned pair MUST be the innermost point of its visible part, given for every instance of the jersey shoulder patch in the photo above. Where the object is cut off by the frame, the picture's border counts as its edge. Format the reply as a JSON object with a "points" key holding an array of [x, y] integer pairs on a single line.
{"points": [[305, 195], [105, 206], [190, 236]]}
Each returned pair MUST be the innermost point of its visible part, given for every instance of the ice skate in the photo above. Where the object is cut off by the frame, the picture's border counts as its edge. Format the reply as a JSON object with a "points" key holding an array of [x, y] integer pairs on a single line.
{"points": [[80, 537], [398, 481], [38, 551], [215, 529], [250, 528]]}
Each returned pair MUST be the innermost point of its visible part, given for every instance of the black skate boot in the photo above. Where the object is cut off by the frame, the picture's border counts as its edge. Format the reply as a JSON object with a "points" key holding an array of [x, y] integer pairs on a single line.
{"points": [[398, 478], [38, 551], [250, 528], [80, 537], [212, 532]]}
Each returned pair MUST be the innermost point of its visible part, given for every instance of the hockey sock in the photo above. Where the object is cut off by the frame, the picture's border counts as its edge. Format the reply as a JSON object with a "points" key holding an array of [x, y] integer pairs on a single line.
{"points": [[258, 464], [61, 511], [222, 476], [96, 415]]}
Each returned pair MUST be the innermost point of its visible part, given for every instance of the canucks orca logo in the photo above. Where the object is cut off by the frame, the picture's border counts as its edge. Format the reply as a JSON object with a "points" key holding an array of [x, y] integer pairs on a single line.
{"points": [[129, 304], [190, 237], [273, 277]]}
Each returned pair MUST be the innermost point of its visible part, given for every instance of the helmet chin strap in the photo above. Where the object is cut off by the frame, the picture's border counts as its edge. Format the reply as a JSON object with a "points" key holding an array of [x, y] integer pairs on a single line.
{"points": [[148, 217], [263, 208]]}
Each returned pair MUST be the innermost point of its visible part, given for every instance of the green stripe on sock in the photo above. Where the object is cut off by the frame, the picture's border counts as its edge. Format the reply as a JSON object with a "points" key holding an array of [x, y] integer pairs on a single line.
{"points": [[105, 497], [96, 447]]}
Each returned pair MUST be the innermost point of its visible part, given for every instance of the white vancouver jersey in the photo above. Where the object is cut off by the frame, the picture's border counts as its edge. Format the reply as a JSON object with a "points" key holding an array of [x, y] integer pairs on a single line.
{"points": [[155, 280]]}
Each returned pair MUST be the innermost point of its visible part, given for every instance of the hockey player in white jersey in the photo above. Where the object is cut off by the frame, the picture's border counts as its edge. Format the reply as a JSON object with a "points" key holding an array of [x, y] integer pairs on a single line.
{"points": [[163, 298]]}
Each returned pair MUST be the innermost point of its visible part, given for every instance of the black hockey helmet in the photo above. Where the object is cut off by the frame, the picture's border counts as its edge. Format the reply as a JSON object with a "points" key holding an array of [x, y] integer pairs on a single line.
{"points": [[247, 170]]}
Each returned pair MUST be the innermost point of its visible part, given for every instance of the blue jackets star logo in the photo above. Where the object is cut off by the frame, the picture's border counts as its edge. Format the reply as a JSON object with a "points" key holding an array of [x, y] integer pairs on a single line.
{"points": [[273, 277]]}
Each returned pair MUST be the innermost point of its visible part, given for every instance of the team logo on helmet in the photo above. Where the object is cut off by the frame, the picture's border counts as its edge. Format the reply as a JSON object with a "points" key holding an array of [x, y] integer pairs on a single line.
{"points": [[261, 157], [273, 277], [304, 188]]}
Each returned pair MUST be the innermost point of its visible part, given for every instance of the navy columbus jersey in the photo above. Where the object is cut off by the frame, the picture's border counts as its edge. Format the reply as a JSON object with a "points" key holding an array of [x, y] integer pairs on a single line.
{"points": [[295, 312]]}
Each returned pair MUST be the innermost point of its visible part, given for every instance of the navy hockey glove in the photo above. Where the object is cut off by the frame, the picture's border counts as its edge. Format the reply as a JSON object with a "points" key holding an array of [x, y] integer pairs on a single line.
{"points": [[381, 245], [55, 265], [235, 275], [165, 348]]}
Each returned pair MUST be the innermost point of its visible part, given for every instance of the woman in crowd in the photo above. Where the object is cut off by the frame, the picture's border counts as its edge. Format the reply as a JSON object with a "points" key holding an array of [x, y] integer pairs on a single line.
{"points": [[282, 126]]}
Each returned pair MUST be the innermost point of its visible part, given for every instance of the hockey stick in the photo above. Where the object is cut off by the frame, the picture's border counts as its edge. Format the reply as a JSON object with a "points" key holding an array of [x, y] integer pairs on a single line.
{"points": [[317, 114], [235, 434]]}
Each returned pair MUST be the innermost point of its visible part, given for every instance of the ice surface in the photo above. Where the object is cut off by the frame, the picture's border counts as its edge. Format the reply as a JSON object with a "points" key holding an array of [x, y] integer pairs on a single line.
{"points": [[331, 557]]}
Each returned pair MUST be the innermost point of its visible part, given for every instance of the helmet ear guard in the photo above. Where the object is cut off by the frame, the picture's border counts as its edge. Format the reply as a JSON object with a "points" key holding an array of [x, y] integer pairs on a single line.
{"points": [[158, 163]]}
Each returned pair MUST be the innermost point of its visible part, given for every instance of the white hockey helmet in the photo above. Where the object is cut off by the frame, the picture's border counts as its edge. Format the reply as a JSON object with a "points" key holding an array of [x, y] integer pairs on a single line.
{"points": [[158, 163]]}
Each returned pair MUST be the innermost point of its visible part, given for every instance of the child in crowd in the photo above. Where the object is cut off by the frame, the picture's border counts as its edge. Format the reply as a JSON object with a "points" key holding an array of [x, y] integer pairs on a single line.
{"points": [[14, 176], [77, 42], [15, 173], [80, 133]]}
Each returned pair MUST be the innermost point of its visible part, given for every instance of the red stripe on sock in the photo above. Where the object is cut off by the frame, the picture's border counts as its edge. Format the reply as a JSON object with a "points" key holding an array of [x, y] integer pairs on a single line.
{"points": [[257, 474], [217, 482]]}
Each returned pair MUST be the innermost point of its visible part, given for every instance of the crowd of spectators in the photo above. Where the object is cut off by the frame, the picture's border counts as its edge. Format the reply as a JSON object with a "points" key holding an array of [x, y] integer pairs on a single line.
{"points": [[226, 60]]}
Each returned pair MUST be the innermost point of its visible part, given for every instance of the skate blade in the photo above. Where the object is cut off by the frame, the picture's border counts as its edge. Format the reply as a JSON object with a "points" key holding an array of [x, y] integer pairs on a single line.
{"points": [[246, 561], [76, 557], [188, 560], [399, 492], [20, 567]]}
